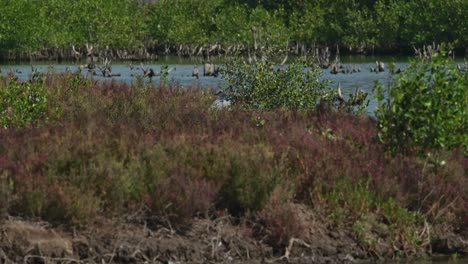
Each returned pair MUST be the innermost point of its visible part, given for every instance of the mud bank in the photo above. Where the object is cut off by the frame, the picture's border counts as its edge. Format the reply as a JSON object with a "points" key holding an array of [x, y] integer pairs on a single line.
{"points": [[219, 240]]}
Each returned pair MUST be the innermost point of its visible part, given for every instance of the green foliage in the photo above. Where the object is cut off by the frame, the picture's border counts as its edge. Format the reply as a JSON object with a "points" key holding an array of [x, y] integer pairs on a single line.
{"points": [[59, 23], [164, 75], [235, 27], [70, 204], [22, 103], [362, 30], [306, 23], [426, 107], [348, 200], [370, 214], [20, 26], [269, 26], [252, 178], [130, 24], [265, 86]]}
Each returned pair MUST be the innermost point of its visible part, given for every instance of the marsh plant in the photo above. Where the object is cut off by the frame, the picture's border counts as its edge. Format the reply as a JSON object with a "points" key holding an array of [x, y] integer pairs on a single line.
{"points": [[426, 107], [116, 148], [265, 85], [22, 103]]}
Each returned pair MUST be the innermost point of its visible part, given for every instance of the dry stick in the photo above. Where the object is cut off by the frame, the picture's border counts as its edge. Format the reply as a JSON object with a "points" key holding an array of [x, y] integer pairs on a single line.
{"points": [[426, 230], [237, 251], [141, 253], [433, 207], [163, 229], [169, 223], [213, 246], [112, 255], [248, 252], [5, 257], [46, 259], [291, 244], [442, 211], [426, 197]]}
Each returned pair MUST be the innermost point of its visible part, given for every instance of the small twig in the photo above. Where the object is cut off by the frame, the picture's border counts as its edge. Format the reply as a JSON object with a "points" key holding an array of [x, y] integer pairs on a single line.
{"points": [[47, 259], [141, 253], [270, 261], [248, 252], [426, 197], [111, 255], [5, 257], [442, 211], [291, 244], [434, 206], [213, 247]]}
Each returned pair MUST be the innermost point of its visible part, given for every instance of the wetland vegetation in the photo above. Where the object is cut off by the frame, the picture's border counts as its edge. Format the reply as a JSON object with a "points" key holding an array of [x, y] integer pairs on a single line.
{"points": [[289, 170], [138, 29]]}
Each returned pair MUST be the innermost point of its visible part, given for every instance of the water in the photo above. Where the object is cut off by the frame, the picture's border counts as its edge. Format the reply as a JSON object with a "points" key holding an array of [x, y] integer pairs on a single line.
{"points": [[181, 74]]}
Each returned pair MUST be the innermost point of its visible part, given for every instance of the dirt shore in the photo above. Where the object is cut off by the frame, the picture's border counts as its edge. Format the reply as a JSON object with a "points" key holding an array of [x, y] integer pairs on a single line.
{"points": [[220, 240]]}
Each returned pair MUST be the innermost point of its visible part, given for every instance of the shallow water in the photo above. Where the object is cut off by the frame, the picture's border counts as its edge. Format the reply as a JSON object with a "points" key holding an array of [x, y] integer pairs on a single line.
{"points": [[181, 73]]}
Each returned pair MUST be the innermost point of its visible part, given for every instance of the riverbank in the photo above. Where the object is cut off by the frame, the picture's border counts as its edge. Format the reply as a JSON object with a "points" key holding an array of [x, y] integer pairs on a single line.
{"points": [[140, 172], [208, 52], [130, 239]]}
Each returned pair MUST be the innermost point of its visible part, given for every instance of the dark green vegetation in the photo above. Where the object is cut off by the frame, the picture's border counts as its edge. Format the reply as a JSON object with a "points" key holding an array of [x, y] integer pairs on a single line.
{"points": [[27, 26], [90, 150]]}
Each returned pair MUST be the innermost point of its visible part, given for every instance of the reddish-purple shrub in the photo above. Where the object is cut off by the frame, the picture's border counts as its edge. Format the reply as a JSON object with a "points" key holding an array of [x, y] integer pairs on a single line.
{"points": [[166, 147]]}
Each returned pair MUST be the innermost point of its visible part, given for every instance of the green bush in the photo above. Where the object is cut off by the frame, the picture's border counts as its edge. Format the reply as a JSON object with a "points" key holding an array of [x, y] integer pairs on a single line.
{"points": [[370, 212], [426, 107], [252, 176], [22, 104], [266, 86]]}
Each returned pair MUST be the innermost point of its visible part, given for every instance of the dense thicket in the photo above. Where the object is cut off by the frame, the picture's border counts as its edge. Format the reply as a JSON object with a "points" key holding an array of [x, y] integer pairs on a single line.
{"points": [[27, 25]]}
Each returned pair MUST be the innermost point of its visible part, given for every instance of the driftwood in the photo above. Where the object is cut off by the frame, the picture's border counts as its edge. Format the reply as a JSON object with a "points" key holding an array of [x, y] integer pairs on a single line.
{"points": [[323, 57], [148, 72], [106, 69], [35, 74], [254, 36], [379, 67], [463, 67], [339, 95], [195, 72], [427, 52], [76, 54], [357, 98], [337, 68], [210, 69], [284, 60]]}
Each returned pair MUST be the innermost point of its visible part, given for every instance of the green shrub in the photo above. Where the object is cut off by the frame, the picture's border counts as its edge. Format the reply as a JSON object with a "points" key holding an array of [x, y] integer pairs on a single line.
{"points": [[426, 107], [370, 213], [266, 86], [22, 103], [66, 203], [253, 175]]}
